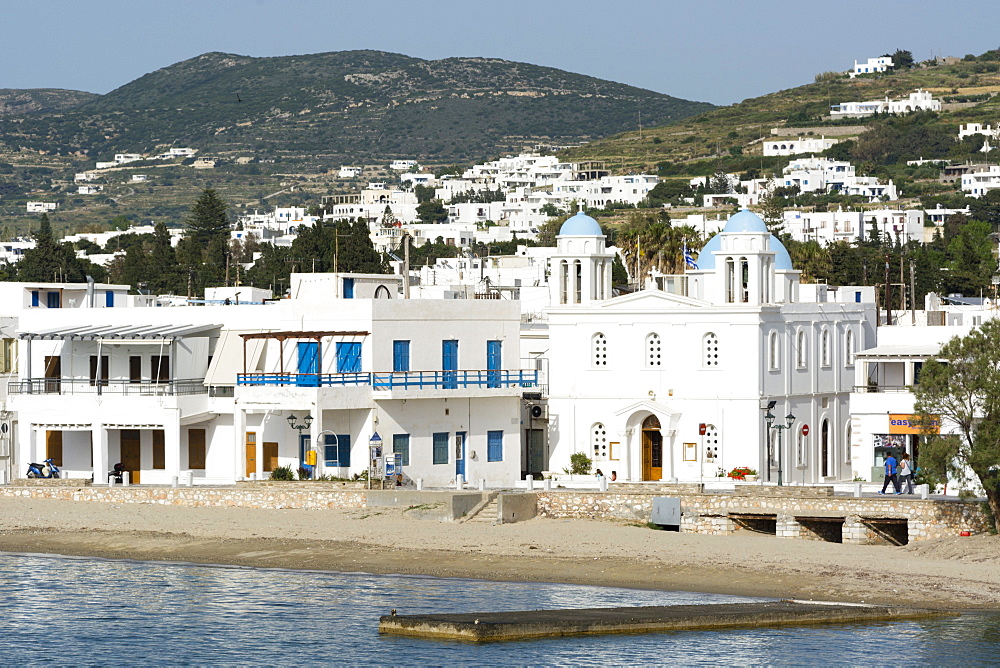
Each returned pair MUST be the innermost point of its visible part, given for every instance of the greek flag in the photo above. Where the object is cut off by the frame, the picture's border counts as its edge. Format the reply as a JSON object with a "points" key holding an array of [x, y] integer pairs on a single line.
{"points": [[688, 258]]}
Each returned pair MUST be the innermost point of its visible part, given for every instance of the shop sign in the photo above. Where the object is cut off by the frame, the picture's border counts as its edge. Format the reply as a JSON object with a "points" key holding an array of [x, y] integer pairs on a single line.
{"points": [[905, 423]]}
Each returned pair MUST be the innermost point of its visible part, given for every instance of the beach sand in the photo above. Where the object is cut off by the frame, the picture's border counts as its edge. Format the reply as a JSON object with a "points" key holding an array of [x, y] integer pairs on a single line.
{"points": [[955, 573]]}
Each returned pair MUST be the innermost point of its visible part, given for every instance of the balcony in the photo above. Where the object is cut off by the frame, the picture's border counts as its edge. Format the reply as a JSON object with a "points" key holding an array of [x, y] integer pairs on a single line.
{"points": [[402, 380], [882, 389], [85, 386]]}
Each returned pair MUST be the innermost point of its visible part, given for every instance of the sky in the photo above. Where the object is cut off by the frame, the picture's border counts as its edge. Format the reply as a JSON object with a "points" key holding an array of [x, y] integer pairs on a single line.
{"points": [[719, 51]]}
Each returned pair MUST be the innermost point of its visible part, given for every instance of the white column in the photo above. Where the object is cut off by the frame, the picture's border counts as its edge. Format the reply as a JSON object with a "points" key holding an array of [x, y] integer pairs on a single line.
{"points": [[238, 460], [99, 448], [172, 445]]}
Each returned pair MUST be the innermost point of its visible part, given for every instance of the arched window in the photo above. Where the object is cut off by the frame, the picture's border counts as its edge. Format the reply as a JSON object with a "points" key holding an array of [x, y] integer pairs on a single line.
{"points": [[773, 352], [599, 441], [710, 345], [800, 349], [800, 448], [563, 282], [578, 282], [382, 292], [849, 348], [825, 347], [653, 351], [847, 443], [599, 344], [730, 280], [744, 291]]}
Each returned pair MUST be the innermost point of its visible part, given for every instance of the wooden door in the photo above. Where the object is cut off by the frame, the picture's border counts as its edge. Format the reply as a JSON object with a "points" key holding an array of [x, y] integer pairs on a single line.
{"points": [[270, 456], [131, 454], [652, 449], [54, 447], [53, 373], [251, 450]]}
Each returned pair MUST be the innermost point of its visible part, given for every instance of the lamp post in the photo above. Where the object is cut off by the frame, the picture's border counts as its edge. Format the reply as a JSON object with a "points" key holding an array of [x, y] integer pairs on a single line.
{"points": [[789, 420], [294, 424]]}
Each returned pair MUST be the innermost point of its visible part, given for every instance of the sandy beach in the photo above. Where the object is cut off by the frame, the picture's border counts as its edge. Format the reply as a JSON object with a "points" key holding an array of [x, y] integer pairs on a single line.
{"points": [[953, 573]]}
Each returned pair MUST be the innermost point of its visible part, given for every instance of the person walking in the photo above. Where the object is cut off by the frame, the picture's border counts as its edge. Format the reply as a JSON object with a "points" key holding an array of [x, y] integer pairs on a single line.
{"points": [[890, 474], [905, 473]]}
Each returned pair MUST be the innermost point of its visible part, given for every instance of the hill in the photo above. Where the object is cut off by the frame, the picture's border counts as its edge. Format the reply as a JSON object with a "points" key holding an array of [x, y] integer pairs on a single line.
{"points": [[19, 102], [349, 106], [727, 137]]}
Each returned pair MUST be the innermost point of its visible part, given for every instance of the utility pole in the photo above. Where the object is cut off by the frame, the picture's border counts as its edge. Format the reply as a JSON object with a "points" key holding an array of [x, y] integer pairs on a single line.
{"points": [[406, 266], [913, 295], [888, 293]]}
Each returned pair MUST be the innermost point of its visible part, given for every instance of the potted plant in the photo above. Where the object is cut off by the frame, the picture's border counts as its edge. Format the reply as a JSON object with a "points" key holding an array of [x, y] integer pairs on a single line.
{"points": [[743, 473]]}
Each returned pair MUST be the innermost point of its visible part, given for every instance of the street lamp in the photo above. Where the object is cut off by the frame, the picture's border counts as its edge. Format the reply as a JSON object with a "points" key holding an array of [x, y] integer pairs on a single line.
{"points": [[789, 420], [294, 424]]}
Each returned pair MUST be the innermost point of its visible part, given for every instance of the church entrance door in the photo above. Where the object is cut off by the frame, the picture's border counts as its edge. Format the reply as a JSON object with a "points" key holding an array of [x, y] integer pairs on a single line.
{"points": [[652, 449]]}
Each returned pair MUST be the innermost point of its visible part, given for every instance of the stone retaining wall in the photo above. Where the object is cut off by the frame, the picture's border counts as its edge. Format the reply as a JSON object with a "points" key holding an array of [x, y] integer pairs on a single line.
{"points": [[710, 513], [307, 496]]}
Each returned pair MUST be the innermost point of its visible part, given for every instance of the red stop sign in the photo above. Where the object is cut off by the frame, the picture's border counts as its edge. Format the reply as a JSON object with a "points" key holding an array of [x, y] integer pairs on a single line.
{"points": [[805, 430]]}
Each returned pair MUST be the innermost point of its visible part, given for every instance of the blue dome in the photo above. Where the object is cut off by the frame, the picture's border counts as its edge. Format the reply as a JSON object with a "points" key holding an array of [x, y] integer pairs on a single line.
{"points": [[745, 221], [580, 225], [706, 260]]}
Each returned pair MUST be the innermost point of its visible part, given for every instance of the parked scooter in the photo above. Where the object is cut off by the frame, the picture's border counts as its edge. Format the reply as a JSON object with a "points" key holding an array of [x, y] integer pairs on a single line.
{"points": [[46, 470], [115, 475]]}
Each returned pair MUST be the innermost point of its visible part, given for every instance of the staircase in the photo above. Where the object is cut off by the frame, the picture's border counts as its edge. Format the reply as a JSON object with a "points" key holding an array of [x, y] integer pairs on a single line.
{"points": [[485, 513]]}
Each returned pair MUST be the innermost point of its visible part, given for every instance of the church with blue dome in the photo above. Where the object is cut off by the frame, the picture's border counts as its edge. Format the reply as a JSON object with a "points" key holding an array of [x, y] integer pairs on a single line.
{"points": [[669, 385]]}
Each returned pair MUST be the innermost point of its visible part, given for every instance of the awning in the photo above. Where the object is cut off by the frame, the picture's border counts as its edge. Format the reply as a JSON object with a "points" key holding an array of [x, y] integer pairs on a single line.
{"points": [[227, 361], [917, 350], [119, 333]]}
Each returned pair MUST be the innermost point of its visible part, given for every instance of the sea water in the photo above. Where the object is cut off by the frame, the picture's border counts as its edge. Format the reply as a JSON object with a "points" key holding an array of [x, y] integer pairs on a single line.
{"points": [[68, 611]]}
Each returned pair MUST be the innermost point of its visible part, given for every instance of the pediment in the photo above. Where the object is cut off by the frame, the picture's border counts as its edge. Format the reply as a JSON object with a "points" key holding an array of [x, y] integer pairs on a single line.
{"points": [[652, 299]]}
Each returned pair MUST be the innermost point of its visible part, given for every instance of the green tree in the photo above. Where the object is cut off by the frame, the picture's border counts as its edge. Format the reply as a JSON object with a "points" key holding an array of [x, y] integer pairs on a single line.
{"points": [[960, 387], [901, 59], [970, 259], [208, 218], [432, 212], [54, 262], [986, 208]]}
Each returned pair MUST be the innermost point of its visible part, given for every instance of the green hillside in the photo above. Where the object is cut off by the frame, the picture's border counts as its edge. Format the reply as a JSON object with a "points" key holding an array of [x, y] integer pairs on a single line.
{"points": [[350, 106], [724, 137], [18, 102]]}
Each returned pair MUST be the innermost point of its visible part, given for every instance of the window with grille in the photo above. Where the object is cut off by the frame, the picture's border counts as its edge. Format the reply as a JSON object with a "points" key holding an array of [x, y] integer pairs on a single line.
{"points": [[653, 351], [800, 349], [825, 347], [773, 352], [711, 350], [711, 441], [599, 441], [849, 348], [600, 350]]}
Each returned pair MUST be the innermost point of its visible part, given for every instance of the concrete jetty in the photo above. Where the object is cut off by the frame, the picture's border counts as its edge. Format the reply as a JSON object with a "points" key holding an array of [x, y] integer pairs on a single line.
{"points": [[520, 625]]}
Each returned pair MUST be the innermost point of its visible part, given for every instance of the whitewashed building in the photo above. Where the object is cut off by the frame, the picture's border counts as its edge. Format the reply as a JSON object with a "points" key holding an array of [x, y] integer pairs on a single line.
{"points": [[872, 65], [657, 385], [977, 184], [799, 146], [919, 100]]}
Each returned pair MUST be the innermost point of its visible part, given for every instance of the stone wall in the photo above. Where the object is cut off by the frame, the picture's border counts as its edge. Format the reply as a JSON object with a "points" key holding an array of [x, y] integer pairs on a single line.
{"points": [[307, 496], [713, 513]]}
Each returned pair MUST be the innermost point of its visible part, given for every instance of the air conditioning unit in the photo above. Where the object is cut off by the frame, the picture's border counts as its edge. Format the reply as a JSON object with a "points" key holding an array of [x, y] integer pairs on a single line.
{"points": [[538, 412]]}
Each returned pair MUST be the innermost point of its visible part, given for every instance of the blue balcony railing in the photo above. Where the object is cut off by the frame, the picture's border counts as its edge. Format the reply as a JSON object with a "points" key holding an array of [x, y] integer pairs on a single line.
{"points": [[405, 380]]}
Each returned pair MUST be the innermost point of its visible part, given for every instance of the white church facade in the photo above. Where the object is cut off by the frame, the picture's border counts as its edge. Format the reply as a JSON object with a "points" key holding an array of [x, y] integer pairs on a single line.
{"points": [[661, 386]]}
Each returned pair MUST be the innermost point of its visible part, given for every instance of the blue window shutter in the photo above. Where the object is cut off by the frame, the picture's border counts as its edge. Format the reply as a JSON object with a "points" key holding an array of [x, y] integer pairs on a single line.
{"points": [[348, 288], [344, 449], [52, 300], [440, 448], [400, 355], [494, 446], [401, 447], [34, 297], [348, 357]]}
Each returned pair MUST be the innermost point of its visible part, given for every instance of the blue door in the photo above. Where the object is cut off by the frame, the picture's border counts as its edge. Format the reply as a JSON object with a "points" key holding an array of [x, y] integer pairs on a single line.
{"points": [[400, 355], [449, 363], [493, 356], [460, 453], [348, 357], [109, 298], [308, 364], [348, 288], [305, 444]]}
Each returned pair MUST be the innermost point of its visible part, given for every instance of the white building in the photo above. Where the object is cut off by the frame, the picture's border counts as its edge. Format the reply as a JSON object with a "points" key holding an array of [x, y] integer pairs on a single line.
{"points": [[660, 386], [826, 227], [920, 100], [970, 129], [347, 172], [880, 64], [798, 146], [402, 165], [173, 392], [41, 207], [85, 176], [125, 158], [89, 190], [835, 176], [977, 184]]}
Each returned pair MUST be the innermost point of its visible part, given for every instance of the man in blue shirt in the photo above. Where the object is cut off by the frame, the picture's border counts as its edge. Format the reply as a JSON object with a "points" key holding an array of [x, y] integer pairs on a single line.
{"points": [[890, 475]]}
